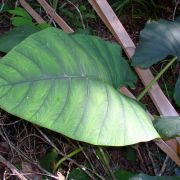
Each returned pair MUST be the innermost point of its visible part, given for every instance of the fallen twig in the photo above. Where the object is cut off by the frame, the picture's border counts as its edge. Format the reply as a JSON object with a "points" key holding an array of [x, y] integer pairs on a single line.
{"points": [[20, 153], [164, 166], [175, 8], [14, 170]]}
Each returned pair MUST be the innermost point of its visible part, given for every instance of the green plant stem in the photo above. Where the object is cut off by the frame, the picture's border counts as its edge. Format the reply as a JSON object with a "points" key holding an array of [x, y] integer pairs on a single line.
{"points": [[106, 162], [141, 95], [76, 151]]}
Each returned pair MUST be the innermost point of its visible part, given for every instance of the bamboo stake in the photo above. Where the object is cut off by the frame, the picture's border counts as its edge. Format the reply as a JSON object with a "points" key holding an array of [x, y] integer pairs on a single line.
{"points": [[50, 11], [32, 12]]}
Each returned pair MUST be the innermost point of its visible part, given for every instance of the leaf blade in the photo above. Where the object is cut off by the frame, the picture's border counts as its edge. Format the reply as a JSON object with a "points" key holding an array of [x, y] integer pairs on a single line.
{"points": [[72, 91], [157, 40], [15, 36], [168, 127]]}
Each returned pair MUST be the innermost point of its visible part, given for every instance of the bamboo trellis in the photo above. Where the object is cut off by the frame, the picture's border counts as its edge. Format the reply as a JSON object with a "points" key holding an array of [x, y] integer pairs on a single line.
{"points": [[112, 22]]}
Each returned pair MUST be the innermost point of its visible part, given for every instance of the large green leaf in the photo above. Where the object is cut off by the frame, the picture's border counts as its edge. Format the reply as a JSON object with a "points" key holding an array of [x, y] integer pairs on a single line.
{"points": [[158, 40], [67, 83], [168, 127], [13, 37]]}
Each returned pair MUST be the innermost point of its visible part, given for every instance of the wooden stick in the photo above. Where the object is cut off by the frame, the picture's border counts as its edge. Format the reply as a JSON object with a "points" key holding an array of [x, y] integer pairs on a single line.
{"points": [[32, 12], [50, 11], [12, 168]]}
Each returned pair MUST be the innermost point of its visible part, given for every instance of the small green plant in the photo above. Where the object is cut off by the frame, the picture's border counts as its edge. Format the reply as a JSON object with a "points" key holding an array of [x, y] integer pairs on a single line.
{"points": [[158, 40], [20, 17], [68, 83], [23, 27]]}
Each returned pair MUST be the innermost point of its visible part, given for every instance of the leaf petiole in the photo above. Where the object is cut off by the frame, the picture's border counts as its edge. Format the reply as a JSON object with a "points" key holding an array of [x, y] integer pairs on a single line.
{"points": [[73, 153], [141, 95]]}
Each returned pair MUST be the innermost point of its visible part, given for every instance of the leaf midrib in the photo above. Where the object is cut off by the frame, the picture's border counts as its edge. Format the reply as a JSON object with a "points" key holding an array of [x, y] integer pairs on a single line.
{"points": [[56, 77]]}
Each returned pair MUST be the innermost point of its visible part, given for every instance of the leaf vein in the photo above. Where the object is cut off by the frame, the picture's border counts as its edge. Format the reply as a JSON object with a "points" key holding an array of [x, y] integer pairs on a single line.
{"points": [[85, 108], [45, 99], [66, 100], [25, 96], [105, 116]]}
